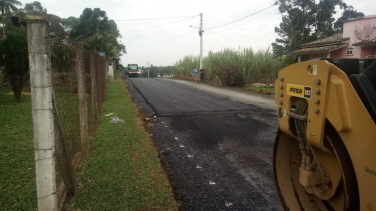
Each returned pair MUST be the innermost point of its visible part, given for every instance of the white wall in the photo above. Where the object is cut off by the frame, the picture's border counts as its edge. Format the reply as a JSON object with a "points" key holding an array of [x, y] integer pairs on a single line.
{"points": [[110, 71]]}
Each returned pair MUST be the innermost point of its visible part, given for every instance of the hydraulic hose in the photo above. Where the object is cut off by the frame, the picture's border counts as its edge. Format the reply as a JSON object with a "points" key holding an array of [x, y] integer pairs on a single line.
{"points": [[306, 149]]}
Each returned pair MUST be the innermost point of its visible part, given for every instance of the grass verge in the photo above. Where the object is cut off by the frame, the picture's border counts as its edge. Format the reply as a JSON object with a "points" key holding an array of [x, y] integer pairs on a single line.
{"points": [[17, 168], [261, 90], [122, 170]]}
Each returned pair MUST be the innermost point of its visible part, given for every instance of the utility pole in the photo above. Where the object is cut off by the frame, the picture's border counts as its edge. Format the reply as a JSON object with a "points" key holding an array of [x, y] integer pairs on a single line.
{"points": [[201, 35], [148, 69]]}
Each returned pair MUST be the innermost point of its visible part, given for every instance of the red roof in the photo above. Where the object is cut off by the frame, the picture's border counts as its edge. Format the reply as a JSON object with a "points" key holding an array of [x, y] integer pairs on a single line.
{"points": [[323, 45], [369, 42]]}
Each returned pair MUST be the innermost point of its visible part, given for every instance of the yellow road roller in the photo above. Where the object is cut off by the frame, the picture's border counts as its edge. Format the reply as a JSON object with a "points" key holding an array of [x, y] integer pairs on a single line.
{"points": [[325, 149]]}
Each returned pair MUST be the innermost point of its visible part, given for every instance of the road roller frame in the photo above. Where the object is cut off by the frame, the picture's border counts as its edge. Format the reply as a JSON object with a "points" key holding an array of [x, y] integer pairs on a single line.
{"points": [[325, 149]]}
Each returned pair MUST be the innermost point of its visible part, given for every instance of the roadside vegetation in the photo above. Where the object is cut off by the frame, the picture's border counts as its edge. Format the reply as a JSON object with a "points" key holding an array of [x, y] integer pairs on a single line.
{"points": [[17, 167], [155, 71], [122, 171], [306, 21], [302, 22], [262, 90], [233, 67], [93, 29]]}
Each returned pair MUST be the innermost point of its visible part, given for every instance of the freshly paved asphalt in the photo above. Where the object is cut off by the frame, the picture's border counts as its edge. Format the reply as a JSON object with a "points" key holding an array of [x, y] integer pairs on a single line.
{"points": [[216, 151], [168, 98]]}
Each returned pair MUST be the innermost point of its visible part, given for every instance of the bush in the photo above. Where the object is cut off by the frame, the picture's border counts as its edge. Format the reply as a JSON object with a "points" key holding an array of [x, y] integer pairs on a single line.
{"points": [[14, 59], [286, 61], [3, 80], [233, 67], [234, 77]]}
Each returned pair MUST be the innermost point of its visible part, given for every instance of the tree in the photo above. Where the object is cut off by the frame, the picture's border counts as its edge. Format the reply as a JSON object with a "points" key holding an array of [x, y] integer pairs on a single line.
{"points": [[8, 6], [296, 26], [113, 28], [35, 6], [153, 72], [98, 33], [14, 60], [348, 13], [168, 70], [119, 66], [305, 21], [90, 23], [70, 23], [58, 26], [104, 43], [325, 19]]}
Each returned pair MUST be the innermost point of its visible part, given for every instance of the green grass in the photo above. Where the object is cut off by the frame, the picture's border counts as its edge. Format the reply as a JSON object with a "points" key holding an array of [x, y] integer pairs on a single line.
{"points": [[257, 89], [17, 168], [117, 74], [122, 170]]}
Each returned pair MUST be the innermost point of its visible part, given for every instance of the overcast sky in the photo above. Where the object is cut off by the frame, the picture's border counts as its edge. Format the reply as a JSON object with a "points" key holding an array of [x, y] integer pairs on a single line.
{"points": [[164, 45]]}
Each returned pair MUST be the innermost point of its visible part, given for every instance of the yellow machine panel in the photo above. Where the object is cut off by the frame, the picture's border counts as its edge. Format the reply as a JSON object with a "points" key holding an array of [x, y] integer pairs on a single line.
{"points": [[325, 150]]}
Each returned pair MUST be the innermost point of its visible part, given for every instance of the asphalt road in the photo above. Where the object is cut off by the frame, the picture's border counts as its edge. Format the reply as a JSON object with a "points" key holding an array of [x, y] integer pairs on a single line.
{"points": [[215, 144]]}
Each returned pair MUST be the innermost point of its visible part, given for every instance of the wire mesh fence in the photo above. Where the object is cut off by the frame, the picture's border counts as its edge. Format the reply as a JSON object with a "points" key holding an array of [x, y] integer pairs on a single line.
{"points": [[68, 86], [79, 87]]}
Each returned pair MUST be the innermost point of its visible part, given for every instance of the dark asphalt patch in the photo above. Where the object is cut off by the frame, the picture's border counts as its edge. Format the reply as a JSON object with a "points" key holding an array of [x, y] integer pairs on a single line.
{"points": [[217, 161]]}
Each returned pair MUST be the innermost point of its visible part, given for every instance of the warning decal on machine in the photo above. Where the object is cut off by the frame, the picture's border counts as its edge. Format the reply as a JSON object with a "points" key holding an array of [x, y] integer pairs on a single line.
{"points": [[299, 91]]}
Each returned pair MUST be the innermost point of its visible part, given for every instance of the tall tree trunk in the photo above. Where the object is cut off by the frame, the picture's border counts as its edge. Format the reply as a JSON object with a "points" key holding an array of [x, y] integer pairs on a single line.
{"points": [[17, 86], [3, 26], [2, 12]]}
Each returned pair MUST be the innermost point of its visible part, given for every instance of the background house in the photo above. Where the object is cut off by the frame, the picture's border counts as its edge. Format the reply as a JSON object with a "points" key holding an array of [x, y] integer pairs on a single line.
{"points": [[357, 41]]}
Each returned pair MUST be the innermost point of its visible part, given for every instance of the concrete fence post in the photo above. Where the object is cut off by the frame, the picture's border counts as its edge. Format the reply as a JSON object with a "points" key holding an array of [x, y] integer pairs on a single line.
{"points": [[82, 100], [94, 92], [111, 71], [43, 119], [104, 80]]}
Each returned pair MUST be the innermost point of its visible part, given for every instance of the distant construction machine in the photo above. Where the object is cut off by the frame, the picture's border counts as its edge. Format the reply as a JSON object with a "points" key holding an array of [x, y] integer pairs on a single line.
{"points": [[325, 149], [134, 72]]}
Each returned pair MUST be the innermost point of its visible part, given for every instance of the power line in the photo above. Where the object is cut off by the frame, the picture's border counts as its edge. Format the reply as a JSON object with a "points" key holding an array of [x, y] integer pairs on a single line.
{"points": [[165, 32], [221, 12], [147, 19], [255, 9], [241, 18], [157, 26], [243, 22], [164, 40], [227, 10]]}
